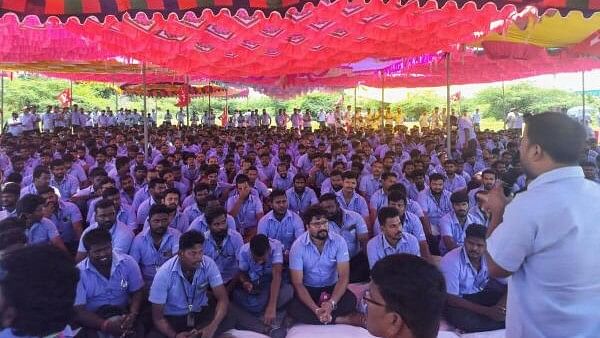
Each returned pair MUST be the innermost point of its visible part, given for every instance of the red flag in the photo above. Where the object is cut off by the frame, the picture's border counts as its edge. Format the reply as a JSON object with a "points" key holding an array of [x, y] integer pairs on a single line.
{"points": [[225, 117], [455, 96], [183, 98], [64, 98]]}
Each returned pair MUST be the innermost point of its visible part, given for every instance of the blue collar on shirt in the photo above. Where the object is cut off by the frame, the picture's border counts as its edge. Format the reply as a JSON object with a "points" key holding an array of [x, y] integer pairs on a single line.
{"points": [[285, 217], [557, 175], [116, 260], [465, 257], [306, 240], [387, 244]]}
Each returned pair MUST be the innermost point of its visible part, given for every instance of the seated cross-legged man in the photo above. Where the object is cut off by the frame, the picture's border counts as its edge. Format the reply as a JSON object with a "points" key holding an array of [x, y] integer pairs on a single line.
{"points": [[319, 267], [475, 302], [392, 239], [261, 290], [109, 292]]}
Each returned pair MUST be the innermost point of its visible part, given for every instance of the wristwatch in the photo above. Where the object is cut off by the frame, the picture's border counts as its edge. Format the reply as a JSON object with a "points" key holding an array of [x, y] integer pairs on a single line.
{"points": [[333, 304]]}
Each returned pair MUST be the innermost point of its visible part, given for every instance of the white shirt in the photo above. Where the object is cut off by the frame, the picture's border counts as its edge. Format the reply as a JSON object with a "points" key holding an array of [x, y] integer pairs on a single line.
{"points": [[27, 120], [48, 121], [547, 240]]}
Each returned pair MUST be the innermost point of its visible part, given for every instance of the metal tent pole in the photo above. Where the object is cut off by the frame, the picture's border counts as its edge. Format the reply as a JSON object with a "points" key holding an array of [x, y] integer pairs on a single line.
{"points": [[187, 106], [116, 98], [145, 117], [226, 106], [382, 98], [355, 107], [503, 105], [209, 90], [583, 96], [448, 125]]}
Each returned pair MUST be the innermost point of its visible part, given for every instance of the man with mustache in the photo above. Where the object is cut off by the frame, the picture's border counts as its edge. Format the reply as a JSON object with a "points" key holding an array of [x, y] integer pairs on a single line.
{"points": [[392, 239], [106, 218], [454, 223], [475, 302], [109, 293], [155, 244], [222, 244], [198, 207], [352, 227], [320, 270], [180, 303], [38, 229]]}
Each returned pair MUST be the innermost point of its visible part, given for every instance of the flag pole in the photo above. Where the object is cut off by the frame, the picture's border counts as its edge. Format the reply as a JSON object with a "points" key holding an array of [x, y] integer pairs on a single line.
{"points": [[145, 117], [71, 98], [449, 127]]}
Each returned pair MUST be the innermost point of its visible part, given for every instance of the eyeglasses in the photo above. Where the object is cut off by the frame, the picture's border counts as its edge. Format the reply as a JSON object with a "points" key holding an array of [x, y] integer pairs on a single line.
{"points": [[367, 299]]}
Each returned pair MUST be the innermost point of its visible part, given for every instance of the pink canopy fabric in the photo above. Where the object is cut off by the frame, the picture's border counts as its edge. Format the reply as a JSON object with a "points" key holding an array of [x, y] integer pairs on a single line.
{"points": [[314, 40], [465, 68]]}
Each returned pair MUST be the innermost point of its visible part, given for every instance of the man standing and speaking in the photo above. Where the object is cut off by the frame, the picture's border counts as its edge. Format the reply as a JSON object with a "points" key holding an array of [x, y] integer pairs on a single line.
{"points": [[544, 236]]}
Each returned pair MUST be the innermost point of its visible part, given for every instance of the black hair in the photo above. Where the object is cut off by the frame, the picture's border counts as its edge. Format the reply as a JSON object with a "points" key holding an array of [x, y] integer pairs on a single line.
{"points": [[110, 192], [11, 188], [436, 177], [39, 282], [189, 239], [158, 209], [299, 176], [349, 175], [201, 186], [476, 230], [12, 232], [259, 245], [56, 162], [397, 195], [328, 197], [414, 289], [103, 204], [172, 191], [39, 171], [385, 213], [277, 193], [14, 177], [98, 172], [154, 182], [96, 236], [387, 175], [43, 191], [459, 197], [313, 211], [489, 171], [28, 203], [558, 135], [241, 178], [212, 213]]}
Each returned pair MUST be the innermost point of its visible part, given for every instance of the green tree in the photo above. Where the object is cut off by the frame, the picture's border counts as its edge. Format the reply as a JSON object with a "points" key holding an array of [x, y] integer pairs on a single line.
{"points": [[525, 98], [419, 102]]}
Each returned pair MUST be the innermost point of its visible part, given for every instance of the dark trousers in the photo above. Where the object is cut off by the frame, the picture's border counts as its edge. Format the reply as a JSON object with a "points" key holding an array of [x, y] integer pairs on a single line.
{"points": [[359, 268], [301, 313], [236, 318], [469, 321]]}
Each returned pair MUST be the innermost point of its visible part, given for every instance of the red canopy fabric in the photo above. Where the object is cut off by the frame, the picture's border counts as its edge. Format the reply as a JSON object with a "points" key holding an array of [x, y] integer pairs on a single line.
{"points": [[465, 68], [313, 40], [588, 47], [83, 9]]}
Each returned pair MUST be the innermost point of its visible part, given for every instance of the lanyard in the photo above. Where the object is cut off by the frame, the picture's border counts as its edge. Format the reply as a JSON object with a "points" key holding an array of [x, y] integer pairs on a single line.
{"points": [[190, 302]]}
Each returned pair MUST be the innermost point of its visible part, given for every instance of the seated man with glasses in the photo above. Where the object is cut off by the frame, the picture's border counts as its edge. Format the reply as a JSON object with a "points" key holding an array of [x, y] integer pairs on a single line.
{"points": [[405, 298], [320, 273]]}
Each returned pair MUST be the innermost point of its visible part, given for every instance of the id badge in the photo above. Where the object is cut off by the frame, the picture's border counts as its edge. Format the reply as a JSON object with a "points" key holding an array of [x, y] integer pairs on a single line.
{"points": [[190, 320]]}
